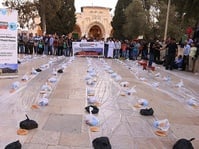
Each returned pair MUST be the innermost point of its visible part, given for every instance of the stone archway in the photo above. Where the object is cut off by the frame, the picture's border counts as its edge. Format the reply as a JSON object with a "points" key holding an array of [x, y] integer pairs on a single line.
{"points": [[95, 31]]}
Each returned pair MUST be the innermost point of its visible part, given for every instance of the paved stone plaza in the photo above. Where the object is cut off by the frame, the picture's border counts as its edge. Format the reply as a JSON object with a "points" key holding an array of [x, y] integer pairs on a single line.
{"points": [[62, 122]]}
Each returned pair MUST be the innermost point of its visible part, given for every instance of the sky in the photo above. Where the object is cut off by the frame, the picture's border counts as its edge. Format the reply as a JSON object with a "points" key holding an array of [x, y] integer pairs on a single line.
{"points": [[103, 3]]}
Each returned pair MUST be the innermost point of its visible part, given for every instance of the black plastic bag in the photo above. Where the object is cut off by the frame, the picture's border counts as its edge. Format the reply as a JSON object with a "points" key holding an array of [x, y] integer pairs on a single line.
{"points": [[60, 71], [28, 124], [14, 145], [146, 112], [18, 61], [183, 144], [101, 143], [38, 70], [95, 109]]}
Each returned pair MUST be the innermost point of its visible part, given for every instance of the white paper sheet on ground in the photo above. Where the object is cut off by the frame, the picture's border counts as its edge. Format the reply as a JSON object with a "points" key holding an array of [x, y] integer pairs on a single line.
{"points": [[143, 102], [63, 66], [50, 63], [180, 84], [91, 120], [90, 82], [124, 84], [167, 78], [93, 74], [92, 100], [44, 66], [88, 77], [157, 74], [54, 72], [46, 87], [162, 124], [90, 70], [131, 91], [15, 85], [90, 92], [25, 78], [192, 102], [34, 72], [113, 75], [52, 80], [155, 84], [43, 101], [110, 71], [142, 78], [118, 78]]}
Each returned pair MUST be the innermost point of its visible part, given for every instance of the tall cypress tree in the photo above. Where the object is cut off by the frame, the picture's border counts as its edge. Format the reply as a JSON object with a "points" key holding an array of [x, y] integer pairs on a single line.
{"points": [[119, 18], [64, 20], [136, 23]]}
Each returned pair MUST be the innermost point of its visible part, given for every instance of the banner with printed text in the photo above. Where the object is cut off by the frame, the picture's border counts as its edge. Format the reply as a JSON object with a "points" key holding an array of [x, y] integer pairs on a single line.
{"points": [[88, 48], [8, 42]]}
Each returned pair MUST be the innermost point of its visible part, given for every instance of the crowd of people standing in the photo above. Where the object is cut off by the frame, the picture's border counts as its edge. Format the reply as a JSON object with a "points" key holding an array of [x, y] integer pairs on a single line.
{"points": [[47, 44], [150, 51]]}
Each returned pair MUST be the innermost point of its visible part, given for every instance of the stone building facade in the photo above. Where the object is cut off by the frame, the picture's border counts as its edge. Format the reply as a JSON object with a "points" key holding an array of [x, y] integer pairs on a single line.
{"points": [[93, 22]]}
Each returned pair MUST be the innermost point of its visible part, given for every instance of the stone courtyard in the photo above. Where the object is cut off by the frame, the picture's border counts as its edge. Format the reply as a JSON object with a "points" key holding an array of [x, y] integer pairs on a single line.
{"points": [[62, 122]]}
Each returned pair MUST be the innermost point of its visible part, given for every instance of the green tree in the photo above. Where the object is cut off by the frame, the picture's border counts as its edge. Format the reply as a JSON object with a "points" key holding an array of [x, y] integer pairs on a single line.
{"points": [[136, 24], [174, 22], [47, 9], [64, 20], [119, 18], [58, 13], [190, 7], [186, 12], [26, 11]]}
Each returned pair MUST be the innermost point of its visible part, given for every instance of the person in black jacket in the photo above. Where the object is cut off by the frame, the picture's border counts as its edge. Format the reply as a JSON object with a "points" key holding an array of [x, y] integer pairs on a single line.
{"points": [[171, 53], [151, 53]]}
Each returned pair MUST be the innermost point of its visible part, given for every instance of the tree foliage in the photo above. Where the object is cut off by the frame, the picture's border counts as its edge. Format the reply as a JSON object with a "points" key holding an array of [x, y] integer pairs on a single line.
{"points": [[136, 24], [119, 18], [54, 14], [187, 11], [26, 11], [174, 23], [47, 10], [183, 13], [64, 20], [190, 7]]}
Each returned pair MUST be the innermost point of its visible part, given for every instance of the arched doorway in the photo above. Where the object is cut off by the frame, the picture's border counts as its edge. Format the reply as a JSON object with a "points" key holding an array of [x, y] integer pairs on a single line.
{"points": [[95, 32]]}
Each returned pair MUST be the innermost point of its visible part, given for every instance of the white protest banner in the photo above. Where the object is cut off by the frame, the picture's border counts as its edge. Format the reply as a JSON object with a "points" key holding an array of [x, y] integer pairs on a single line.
{"points": [[8, 42], [88, 48]]}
